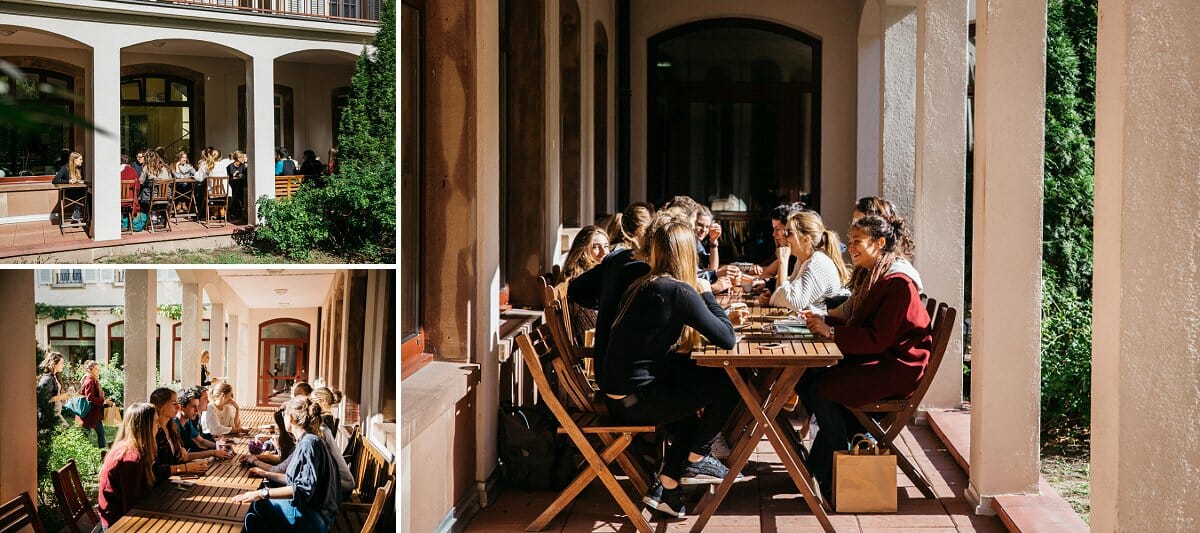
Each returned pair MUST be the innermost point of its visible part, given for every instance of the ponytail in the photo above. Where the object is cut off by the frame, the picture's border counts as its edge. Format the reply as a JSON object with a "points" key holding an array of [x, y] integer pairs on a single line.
{"points": [[832, 247], [624, 228]]}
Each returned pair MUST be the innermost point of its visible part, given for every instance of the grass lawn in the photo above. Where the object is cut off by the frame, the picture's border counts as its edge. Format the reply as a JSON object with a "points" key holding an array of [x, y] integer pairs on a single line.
{"points": [[1066, 465], [223, 256]]}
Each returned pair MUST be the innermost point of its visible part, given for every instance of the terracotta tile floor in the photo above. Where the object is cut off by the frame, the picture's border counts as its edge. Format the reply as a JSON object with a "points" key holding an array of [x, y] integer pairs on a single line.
{"points": [[767, 502], [28, 238]]}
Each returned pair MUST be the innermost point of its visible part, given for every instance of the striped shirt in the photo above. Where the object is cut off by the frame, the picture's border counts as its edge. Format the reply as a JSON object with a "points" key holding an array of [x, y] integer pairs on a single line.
{"points": [[814, 281]]}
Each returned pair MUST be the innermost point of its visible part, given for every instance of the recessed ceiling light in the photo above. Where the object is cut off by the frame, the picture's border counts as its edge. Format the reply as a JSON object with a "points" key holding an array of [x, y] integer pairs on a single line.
{"points": [[281, 292], [284, 304], [7, 33], [158, 44], [274, 271]]}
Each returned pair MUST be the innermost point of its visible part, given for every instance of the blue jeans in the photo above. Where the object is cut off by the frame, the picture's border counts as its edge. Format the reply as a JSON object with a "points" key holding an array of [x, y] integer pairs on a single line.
{"points": [[274, 514], [100, 440]]}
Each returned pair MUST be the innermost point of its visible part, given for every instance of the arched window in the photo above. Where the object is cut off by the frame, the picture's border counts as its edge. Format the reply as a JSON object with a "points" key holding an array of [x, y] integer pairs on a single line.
{"points": [[37, 150], [75, 339], [282, 358], [734, 109], [177, 346], [116, 341], [157, 110]]}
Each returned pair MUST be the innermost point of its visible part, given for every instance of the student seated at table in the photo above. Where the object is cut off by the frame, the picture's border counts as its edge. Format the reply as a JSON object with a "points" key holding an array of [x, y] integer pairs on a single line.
{"points": [[183, 173], [128, 470], [820, 272], [328, 399], [153, 171], [276, 475], [224, 415], [648, 375], [885, 341], [283, 440], [185, 423], [170, 457], [708, 236], [588, 249], [71, 172], [309, 499]]}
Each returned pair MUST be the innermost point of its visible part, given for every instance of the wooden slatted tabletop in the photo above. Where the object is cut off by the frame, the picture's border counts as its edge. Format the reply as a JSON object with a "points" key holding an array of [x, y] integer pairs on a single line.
{"points": [[144, 522], [254, 419]]}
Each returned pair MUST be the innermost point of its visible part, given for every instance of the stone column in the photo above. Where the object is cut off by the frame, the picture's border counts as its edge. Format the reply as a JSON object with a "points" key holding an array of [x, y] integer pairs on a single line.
{"points": [[18, 442], [899, 106], [216, 332], [235, 354], [141, 302], [103, 160], [189, 349], [870, 100], [940, 185], [260, 108], [1145, 371], [1007, 253]]}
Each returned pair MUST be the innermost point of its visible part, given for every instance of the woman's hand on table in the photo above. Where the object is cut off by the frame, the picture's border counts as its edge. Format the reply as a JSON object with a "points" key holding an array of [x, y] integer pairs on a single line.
{"points": [[764, 298], [703, 286], [221, 453], [256, 471], [249, 496], [194, 468], [816, 323]]}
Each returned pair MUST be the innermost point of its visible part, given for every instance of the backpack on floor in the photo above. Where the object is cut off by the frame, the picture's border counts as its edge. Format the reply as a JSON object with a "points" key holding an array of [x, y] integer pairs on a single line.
{"points": [[531, 454], [139, 222]]}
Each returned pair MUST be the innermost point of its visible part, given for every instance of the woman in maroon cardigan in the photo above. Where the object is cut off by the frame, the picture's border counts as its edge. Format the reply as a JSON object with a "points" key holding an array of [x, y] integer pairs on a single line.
{"points": [[885, 340], [128, 470], [95, 396]]}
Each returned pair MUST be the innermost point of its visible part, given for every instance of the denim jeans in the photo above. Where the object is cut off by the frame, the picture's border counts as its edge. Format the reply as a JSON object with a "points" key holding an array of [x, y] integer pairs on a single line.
{"points": [[276, 514], [101, 442]]}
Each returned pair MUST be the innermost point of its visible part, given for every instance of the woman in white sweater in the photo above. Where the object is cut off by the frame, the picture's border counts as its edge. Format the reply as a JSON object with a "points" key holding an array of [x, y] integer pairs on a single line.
{"points": [[223, 415], [820, 272]]}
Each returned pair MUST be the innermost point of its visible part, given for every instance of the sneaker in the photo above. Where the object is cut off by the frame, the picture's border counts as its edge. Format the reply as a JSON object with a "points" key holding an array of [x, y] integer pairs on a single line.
{"points": [[720, 448], [707, 470], [76, 215], [669, 501]]}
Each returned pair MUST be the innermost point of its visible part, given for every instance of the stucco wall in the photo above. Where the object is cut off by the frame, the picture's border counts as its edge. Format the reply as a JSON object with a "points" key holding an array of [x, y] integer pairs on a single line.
{"points": [[834, 23]]}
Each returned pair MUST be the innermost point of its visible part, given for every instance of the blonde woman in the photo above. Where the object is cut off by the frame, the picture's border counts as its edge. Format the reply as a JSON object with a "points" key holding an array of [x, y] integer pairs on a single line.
{"points": [[647, 376], [205, 376], [128, 470], [820, 272], [328, 399], [223, 415], [71, 171]]}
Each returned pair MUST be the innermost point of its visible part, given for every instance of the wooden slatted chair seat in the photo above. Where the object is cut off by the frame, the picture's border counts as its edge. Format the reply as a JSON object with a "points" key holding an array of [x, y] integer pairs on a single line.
{"points": [[537, 349], [20, 513], [885, 419], [72, 500], [355, 518]]}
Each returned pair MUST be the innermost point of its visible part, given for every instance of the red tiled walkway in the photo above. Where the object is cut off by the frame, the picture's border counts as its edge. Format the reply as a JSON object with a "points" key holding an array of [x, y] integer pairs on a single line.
{"points": [[767, 502], [30, 238]]}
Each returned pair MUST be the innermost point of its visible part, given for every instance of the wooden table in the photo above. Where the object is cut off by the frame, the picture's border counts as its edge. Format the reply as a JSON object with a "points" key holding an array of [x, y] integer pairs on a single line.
{"points": [[207, 506], [780, 368], [65, 202]]}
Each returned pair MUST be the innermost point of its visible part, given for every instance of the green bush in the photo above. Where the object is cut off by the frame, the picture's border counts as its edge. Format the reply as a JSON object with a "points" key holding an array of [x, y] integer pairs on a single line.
{"points": [[112, 380], [64, 444], [351, 214]]}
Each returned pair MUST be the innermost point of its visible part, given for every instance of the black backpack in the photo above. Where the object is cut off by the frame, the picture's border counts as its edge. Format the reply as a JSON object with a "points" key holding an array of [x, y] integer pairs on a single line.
{"points": [[532, 456]]}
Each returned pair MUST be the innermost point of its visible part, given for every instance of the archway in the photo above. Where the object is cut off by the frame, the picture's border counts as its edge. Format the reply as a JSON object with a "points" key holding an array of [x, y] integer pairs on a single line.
{"points": [[734, 109], [282, 358]]}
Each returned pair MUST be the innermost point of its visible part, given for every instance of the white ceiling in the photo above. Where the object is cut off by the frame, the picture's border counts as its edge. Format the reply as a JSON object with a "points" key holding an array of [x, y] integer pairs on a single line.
{"points": [[257, 288]]}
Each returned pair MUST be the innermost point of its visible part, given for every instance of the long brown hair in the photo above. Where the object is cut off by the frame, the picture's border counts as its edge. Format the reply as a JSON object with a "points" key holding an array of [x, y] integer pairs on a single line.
{"points": [[48, 362], [154, 164], [881, 207], [137, 433], [671, 253], [579, 258], [74, 161], [864, 279], [628, 227], [824, 240], [163, 396]]}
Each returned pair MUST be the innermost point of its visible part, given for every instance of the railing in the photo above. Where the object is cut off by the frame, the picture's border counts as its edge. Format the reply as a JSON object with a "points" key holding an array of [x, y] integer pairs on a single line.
{"points": [[346, 10], [68, 278], [118, 277]]}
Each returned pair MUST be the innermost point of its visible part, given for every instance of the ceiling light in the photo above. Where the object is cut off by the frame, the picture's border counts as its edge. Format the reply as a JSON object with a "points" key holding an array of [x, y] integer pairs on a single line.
{"points": [[281, 292], [284, 304], [274, 271], [7, 33], [158, 44]]}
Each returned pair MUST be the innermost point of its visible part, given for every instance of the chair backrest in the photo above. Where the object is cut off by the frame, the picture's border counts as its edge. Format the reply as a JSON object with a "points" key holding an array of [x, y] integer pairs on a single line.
{"points": [[19, 513], [217, 186], [372, 472], [68, 490], [942, 320], [568, 368], [162, 191], [352, 450], [379, 506], [537, 348], [129, 191]]}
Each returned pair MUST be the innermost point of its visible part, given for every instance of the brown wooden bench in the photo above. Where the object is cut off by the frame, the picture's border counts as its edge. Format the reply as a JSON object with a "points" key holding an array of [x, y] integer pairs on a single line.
{"points": [[286, 186], [355, 517], [373, 494]]}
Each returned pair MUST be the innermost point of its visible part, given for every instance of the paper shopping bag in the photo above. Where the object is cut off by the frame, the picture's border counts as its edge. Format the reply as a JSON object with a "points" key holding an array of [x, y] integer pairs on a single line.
{"points": [[864, 478], [112, 416]]}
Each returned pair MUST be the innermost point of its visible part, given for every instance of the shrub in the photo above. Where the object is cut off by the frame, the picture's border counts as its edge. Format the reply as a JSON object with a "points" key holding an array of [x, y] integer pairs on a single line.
{"points": [[64, 444], [112, 380]]}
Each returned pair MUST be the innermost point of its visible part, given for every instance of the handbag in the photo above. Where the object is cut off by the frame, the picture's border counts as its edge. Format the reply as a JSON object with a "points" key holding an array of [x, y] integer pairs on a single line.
{"points": [[78, 406], [112, 415], [864, 478]]}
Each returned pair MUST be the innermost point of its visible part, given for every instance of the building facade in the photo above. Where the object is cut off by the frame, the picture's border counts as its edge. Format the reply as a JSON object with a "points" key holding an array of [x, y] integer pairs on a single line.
{"points": [[177, 76]]}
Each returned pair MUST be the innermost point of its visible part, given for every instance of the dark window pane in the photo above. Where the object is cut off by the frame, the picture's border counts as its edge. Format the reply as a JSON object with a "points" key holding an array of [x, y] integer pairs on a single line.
{"points": [[131, 90], [156, 90]]}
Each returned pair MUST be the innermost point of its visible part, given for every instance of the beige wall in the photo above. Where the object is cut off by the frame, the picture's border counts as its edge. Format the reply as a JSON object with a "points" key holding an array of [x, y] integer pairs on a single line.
{"points": [[1146, 373], [18, 443], [834, 23]]}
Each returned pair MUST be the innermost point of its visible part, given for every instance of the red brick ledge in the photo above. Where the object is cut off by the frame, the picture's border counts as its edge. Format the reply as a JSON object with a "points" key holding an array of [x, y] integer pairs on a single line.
{"points": [[1033, 513]]}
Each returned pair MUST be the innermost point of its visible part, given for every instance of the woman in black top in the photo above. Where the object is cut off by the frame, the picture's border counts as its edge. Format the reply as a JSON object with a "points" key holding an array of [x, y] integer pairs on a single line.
{"points": [[309, 501], [50, 392], [238, 172], [170, 457], [648, 376]]}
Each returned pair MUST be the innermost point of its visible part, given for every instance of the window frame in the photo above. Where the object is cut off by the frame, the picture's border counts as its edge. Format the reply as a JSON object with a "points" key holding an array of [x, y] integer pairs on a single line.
{"points": [[414, 352]]}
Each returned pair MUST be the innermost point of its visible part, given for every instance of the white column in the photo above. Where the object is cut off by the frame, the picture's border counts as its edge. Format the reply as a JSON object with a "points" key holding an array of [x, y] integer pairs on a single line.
{"points": [[236, 354], [899, 106], [104, 156], [18, 443], [1145, 369], [940, 188], [1007, 251], [260, 102], [189, 349], [141, 302], [216, 332], [870, 100]]}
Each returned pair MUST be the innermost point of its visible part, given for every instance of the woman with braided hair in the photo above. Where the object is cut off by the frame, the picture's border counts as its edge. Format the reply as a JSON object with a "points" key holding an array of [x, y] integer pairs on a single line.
{"points": [[885, 340]]}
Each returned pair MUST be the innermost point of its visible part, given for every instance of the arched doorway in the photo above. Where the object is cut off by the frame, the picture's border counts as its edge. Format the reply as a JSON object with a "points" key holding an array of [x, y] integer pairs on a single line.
{"points": [[734, 109], [160, 107], [282, 358], [75, 339]]}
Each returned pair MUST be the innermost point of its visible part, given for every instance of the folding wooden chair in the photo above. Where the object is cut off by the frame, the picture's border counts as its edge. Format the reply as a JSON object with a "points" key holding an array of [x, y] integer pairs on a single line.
{"points": [[18, 514], [217, 196], [363, 518], [576, 390], [161, 202], [129, 205], [72, 500], [537, 347], [897, 413]]}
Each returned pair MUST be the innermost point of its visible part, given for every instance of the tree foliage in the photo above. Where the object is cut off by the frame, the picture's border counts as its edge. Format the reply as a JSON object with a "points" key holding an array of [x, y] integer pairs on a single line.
{"points": [[353, 212], [1067, 213]]}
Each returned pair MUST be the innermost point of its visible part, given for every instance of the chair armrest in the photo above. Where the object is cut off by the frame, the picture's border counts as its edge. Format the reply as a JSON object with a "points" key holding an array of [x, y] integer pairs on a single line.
{"points": [[586, 351]]}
